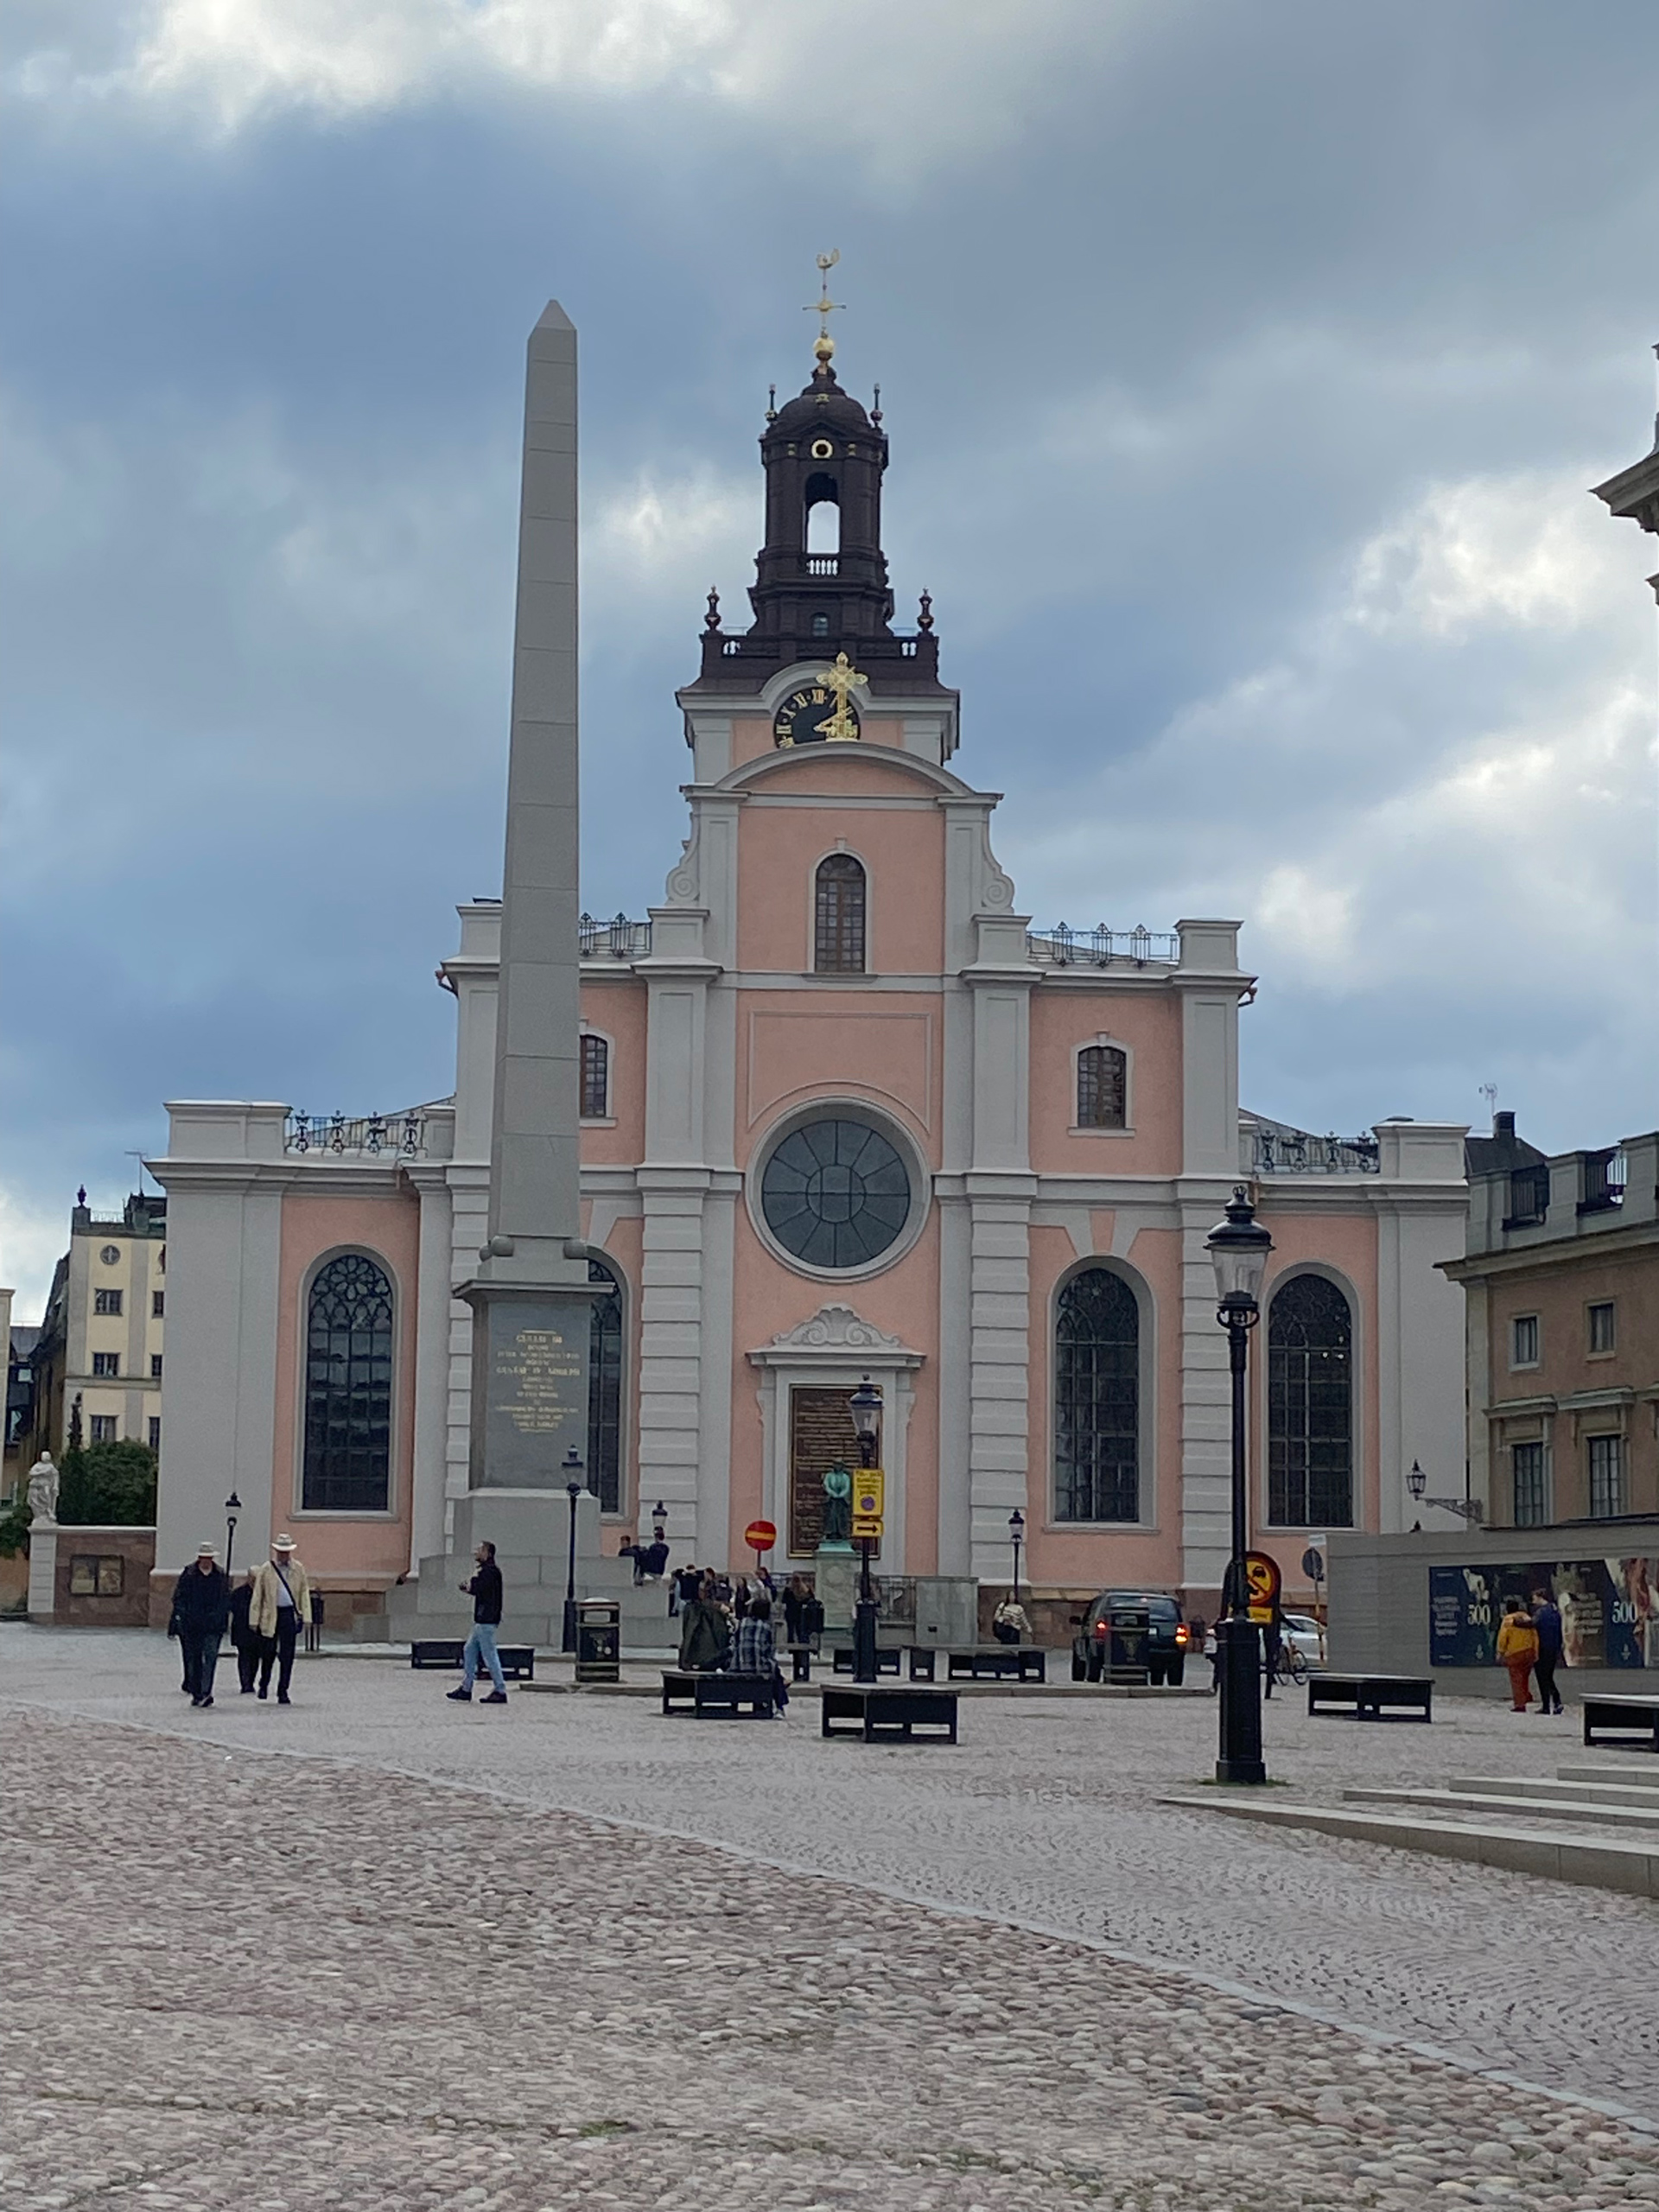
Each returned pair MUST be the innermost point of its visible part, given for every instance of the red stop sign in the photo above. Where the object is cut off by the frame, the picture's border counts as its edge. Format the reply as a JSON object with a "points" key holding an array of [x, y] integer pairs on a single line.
{"points": [[760, 1536]]}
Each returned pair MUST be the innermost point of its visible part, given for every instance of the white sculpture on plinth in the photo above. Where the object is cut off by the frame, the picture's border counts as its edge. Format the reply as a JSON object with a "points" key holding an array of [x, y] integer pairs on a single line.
{"points": [[43, 1479]]}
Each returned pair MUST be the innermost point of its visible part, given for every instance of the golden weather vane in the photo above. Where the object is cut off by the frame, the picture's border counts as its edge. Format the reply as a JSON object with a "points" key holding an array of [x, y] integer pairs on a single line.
{"points": [[823, 306], [843, 679]]}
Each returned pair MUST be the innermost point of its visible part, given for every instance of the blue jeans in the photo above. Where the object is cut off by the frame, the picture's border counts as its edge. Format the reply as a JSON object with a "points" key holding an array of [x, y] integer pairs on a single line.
{"points": [[480, 1649]]}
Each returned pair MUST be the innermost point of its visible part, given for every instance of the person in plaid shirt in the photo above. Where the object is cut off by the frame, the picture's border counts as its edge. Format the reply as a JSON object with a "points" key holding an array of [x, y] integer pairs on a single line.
{"points": [[757, 1649]]}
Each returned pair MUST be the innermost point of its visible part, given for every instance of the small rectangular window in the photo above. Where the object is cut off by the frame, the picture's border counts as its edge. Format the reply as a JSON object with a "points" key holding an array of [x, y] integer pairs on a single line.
{"points": [[595, 1079], [1523, 1340], [154, 1432], [154, 1367], [106, 1363], [1607, 1455], [1102, 1087], [157, 1302], [96, 1574], [106, 1301], [1601, 1328], [1529, 1460], [105, 1429]]}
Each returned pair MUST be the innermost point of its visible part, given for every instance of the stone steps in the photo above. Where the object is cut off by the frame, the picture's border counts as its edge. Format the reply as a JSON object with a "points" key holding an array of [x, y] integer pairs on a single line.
{"points": [[1645, 1777], [1606, 1863], [1568, 1790], [1457, 1799]]}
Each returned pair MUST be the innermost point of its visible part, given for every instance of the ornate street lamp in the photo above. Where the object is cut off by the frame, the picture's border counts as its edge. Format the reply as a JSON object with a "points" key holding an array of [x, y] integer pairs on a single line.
{"points": [[1016, 1536], [865, 1406], [573, 1490], [232, 1508], [1238, 1246]]}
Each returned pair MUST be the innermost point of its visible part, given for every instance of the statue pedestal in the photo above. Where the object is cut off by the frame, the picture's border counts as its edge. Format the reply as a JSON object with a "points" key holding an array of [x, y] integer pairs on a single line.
{"points": [[835, 1583], [43, 1571]]}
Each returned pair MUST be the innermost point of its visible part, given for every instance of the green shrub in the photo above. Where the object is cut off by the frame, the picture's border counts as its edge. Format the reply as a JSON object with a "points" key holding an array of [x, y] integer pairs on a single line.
{"points": [[109, 1485]]}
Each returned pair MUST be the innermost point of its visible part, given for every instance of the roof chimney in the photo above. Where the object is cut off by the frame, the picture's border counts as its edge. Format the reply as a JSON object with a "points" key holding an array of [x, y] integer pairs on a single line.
{"points": [[1504, 1126]]}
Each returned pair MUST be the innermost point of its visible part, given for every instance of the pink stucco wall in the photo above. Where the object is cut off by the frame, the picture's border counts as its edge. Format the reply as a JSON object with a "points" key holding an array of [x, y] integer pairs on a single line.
{"points": [[314, 1226], [903, 852], [617, 1010], [1146, 1023]]}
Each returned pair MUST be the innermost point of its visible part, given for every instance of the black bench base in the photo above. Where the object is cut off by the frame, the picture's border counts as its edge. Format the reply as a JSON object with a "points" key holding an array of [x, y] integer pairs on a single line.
{"points": [[887, 1656], [1623, 1720], [1366, 1696], [732, 1697], [879, 1714], [518, 1660], [998, 1662]]}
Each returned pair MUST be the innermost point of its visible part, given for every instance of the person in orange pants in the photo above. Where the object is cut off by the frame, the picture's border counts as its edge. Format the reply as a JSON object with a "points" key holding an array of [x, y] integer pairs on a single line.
{"points": [[1517, 1650]]}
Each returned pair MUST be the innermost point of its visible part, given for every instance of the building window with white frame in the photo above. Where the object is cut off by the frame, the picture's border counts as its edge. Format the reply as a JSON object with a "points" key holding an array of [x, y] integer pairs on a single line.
{"points": [[838, 916], [1607, 1459], [1601, 1322], [1102, 1087], [1523, 1340], [105, 1429], [106, 1301], [1309, 1406], [1527, 1462], [348, 1462], [154, 1432], [595, 1078], [1097, 1398], [106, 1365]]}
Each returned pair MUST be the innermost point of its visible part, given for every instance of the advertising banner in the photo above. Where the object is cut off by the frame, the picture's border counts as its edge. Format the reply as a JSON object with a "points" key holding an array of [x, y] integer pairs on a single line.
{"points": [[1610, 1611]]}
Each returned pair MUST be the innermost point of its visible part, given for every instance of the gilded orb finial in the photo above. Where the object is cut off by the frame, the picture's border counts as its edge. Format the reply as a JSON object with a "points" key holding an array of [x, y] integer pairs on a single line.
{"points": [[823, 306]]}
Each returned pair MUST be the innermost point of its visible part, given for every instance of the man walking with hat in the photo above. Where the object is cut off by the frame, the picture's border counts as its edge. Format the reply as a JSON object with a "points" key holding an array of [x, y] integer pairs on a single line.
{"points": [[201, 1606], [281, 1607]]}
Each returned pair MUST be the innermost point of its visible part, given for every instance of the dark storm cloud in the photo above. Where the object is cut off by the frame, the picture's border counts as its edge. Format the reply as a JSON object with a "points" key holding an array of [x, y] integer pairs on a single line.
{"points": [[1244, 369]]}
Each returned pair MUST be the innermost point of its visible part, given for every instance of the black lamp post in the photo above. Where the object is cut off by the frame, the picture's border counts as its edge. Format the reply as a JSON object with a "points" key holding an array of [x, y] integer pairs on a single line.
{"points": [[1417, 1483], [573, 1490], [232, 1507], [1239, 1247], [865, 1406], [1016, 1537], [658, 1521]]}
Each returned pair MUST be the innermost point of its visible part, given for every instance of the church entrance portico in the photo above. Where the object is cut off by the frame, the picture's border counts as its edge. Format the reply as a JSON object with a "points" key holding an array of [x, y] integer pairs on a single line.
{"points": [[802, 1374]]}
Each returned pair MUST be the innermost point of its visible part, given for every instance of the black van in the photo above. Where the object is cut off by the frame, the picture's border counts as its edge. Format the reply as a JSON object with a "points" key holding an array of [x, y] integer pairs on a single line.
{"points": [[1162, 1650]]}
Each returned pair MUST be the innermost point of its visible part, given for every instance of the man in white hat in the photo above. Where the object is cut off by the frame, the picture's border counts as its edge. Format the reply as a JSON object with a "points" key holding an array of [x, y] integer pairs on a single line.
{"points": [[201, 1606], [281, 1607]]}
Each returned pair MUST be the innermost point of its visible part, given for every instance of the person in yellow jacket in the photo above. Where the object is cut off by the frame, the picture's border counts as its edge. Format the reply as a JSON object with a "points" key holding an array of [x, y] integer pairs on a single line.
{"points": [[279, 1612], [1517, 1650]]}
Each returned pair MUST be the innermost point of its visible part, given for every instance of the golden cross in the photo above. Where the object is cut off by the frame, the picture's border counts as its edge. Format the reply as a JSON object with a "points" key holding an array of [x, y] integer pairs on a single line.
{"points": [[824, 307], [842, 679]]}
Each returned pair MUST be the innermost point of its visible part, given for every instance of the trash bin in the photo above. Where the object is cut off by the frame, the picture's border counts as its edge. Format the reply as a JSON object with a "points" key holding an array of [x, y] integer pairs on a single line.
{"points": [[599, 1640]]}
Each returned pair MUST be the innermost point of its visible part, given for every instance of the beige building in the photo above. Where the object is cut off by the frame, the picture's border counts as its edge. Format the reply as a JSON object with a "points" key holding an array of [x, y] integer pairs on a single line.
{"points": [[1561, 1283], [101, 1340]]}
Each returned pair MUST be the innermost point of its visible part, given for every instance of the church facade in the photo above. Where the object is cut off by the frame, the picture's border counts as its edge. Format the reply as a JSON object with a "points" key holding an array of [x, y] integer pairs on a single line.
{"points": [[844, 1113]]}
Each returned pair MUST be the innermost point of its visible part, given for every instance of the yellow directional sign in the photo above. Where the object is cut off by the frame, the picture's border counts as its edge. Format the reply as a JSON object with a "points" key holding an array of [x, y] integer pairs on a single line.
{"points": [[869, 1501]]}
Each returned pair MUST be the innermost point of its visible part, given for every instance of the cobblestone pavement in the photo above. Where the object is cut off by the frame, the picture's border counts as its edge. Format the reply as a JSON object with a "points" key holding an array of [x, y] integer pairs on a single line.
{"points": [[1046, 1816], [278, 1983]]}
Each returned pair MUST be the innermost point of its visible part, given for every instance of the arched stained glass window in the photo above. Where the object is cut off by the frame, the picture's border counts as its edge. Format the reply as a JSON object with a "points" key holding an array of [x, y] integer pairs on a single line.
{"points": [[348, 1465], [605, 1392], [1102, 1087], [1309, 1406], [838, 916], [1097, 1398]]}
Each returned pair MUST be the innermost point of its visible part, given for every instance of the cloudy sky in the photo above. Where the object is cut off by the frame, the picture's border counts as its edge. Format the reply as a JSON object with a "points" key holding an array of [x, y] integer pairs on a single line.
{"points": [[1245, 367]]}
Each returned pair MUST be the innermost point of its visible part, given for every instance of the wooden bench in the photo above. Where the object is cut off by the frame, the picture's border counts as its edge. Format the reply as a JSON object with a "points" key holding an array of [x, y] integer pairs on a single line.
{"points": [[880, 1714], [1612, 1718], [842, 1659], [1367, 1695], [737, 1697], [996, 1662], [518, 1660]]}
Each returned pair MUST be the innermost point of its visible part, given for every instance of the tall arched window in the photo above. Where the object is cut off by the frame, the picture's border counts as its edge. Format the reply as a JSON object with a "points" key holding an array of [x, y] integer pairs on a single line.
{"points": [[1309, 1406], [605, 1392], [838, 916], [595, 1078], [348, 1465], [1097, 1400], [1102, 1087]]}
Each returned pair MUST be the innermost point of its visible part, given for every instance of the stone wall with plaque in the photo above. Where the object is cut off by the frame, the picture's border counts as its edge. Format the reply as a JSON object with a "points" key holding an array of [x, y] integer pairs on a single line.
{"points": [[533, 1390]]}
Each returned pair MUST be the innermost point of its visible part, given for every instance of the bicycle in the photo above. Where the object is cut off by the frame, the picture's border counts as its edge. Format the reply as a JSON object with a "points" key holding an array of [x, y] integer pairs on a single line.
{"points": [[1291, 1666]]}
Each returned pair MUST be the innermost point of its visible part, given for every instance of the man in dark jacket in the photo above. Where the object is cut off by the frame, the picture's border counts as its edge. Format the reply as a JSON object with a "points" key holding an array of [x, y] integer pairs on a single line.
{"points": [[484, 1590], [244, 1642], [1546, 1619], [201, 1606]]}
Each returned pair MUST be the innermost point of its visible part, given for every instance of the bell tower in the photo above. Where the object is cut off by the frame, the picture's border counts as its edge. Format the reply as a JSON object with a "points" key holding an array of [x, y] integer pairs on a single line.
{"points": [[817, 591]]}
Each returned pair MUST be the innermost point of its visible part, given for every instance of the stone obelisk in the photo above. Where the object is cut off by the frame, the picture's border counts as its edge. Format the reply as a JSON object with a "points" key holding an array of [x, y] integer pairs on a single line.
{"points": [[529, 1297]]}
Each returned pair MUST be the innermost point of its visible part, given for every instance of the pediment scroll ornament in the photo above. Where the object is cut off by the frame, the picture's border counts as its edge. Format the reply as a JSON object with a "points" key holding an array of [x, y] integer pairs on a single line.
{"points": [[685, 880], [837, 1328]]}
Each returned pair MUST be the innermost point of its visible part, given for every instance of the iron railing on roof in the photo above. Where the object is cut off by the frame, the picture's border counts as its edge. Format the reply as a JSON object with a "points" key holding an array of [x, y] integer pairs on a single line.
{"points": [[1274, 1149], [1062, 947], [373, 1136], [617, 939]]}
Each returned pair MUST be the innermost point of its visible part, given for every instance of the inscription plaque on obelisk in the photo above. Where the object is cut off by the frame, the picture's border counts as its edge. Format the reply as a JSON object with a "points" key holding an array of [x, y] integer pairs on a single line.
{"points": [[531, 1302]]}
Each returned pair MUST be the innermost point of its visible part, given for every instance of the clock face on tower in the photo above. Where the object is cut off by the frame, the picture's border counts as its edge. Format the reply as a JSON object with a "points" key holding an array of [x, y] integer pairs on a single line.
{"points": [[809, 717]]}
